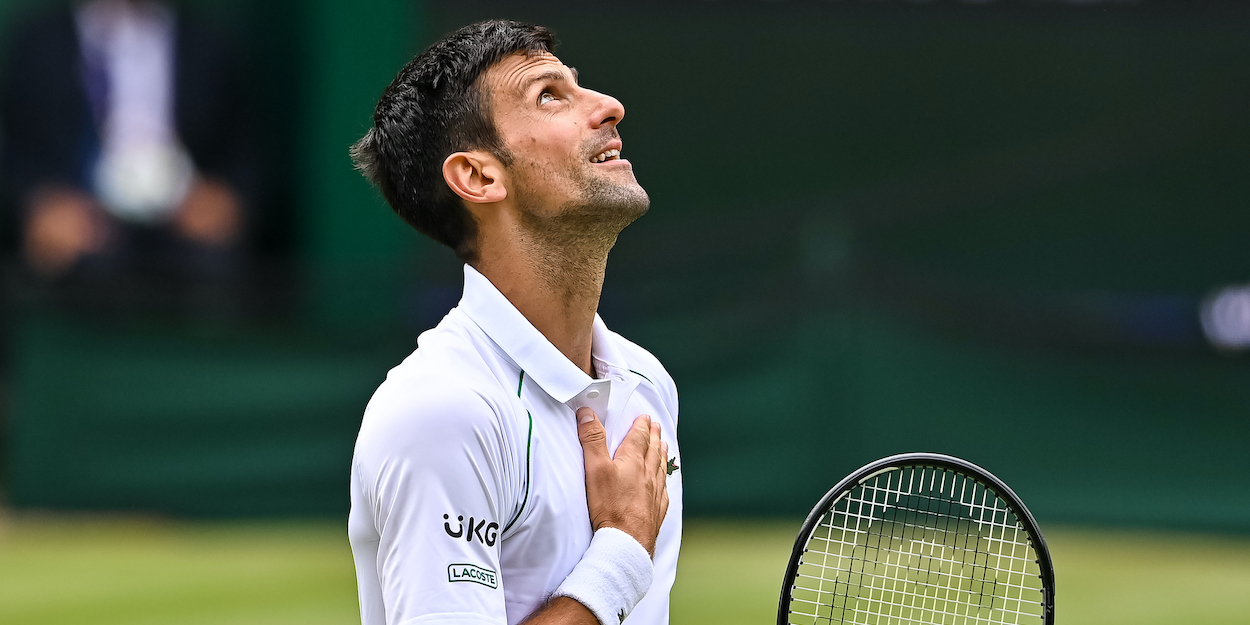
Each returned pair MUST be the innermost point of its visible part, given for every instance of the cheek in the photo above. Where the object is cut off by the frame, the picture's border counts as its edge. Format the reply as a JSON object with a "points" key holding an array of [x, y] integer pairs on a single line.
{"points": [[536, 178], [552, 152], [562, 137]]}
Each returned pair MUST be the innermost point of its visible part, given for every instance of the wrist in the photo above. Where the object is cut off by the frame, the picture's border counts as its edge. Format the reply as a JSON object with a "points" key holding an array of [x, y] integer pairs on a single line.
{"points": [[612, 577], [638, 536]]}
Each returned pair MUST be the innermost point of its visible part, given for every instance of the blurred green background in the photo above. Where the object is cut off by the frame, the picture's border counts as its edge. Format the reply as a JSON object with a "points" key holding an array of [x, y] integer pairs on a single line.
{"points": [[982, 229]]}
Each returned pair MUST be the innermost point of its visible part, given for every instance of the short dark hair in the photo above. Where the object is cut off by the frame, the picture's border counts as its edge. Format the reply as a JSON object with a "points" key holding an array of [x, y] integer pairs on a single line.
{"points": [[434, 108]]}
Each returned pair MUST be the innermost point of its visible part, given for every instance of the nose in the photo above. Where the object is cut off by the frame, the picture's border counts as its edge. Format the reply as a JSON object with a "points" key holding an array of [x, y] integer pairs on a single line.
{"points": [[607, 111]]}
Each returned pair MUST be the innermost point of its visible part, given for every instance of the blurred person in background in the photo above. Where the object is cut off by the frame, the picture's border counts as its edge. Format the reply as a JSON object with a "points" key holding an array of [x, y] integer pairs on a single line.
{"points": [[127, 150]]}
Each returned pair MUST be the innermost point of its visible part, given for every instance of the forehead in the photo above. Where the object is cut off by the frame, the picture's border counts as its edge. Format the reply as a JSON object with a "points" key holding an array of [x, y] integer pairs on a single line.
{"points": [[511, 76]]}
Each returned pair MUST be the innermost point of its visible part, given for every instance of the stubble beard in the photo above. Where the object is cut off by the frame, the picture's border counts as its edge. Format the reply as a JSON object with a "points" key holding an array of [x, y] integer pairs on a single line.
{"points": [[570, 245]]}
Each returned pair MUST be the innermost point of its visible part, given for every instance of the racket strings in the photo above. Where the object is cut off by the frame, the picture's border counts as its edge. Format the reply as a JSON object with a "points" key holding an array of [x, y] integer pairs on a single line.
{"points": [[918, 545]]}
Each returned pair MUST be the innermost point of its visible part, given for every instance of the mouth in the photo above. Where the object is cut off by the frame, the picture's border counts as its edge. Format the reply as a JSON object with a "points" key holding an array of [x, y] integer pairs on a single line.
{"points": [[611, 154]]}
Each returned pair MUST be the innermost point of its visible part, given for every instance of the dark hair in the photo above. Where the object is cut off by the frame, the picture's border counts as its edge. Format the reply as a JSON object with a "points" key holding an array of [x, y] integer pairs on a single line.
{"points": [[434, 108]]}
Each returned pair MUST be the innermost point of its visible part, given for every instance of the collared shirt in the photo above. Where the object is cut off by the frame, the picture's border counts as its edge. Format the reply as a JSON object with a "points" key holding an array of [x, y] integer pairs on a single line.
{"points": [[468, 483]]}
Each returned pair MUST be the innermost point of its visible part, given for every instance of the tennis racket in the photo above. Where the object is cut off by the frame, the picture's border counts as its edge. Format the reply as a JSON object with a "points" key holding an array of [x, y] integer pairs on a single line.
{"points": [[919, 538]]}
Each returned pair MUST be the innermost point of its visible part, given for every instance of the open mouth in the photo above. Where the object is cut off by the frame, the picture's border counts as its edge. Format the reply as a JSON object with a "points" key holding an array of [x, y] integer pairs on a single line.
{"points": [[606, 155]]}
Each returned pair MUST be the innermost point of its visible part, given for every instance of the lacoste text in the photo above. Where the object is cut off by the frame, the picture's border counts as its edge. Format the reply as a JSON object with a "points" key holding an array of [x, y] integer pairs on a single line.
{"points": [[472, 573]]}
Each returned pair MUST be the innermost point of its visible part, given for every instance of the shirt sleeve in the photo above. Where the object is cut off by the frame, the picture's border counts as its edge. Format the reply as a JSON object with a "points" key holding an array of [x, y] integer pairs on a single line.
{"points": [[429, 486]]}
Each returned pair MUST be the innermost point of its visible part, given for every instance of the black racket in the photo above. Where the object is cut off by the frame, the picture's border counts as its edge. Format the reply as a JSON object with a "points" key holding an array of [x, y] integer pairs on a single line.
{"points": [[919, 538]]}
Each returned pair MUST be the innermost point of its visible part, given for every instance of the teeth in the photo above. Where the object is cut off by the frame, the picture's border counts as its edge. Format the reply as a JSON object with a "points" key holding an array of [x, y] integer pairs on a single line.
{"points": [[605, 156]]}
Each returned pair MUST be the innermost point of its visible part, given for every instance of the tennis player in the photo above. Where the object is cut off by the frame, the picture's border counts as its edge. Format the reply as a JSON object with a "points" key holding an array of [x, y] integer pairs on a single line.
{"points": [[522, 464]]}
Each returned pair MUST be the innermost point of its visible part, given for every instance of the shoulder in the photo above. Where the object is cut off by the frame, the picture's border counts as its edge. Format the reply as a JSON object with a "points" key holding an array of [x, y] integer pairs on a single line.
{"points": [[442, 392], [644, 363], [430, 434], [411, 410]]}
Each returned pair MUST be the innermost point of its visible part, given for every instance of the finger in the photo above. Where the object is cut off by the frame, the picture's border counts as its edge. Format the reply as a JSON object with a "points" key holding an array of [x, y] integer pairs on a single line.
{"points": [[593, 437], [663, 503], [653, 459], [636, 442]]}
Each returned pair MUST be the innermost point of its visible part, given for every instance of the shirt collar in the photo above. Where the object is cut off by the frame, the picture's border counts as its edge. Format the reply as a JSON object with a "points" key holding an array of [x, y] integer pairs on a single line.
{"points": [[526, 346]]}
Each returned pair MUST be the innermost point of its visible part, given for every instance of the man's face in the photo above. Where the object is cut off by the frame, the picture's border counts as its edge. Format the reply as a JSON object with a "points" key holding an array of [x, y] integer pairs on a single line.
{"points": [[564, 144]]}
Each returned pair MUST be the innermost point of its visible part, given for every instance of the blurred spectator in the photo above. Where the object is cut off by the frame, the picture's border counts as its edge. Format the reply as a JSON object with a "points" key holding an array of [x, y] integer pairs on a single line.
{"points": [[127, 150]]}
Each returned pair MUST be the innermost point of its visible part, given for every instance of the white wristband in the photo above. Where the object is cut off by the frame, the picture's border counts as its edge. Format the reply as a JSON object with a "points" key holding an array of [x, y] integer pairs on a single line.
{"points": [[612, 577]]}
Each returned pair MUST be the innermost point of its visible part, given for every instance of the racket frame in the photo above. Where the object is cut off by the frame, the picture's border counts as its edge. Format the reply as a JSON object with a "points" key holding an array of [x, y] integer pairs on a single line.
{"points": [[922, 459]]}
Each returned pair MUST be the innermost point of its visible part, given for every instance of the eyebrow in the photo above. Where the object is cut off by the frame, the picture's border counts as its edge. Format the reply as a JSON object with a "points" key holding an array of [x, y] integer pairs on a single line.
{"points": [[550, 75]]}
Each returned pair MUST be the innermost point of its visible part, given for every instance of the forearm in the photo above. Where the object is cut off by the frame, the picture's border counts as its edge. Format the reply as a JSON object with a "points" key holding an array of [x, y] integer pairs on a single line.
{"points": [[561, 611]]}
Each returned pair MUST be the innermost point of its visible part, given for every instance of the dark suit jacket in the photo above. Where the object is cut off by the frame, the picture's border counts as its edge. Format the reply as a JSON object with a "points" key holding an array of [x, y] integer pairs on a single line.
{"points": [[47, 127]]}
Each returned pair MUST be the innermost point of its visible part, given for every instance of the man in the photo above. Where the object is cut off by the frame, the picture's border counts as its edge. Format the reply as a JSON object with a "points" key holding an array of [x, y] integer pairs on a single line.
{"points": [[483, 488]]}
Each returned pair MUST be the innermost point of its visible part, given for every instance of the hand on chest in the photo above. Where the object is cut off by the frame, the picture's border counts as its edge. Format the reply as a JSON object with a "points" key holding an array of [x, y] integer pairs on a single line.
{"points": [[618, 400]]}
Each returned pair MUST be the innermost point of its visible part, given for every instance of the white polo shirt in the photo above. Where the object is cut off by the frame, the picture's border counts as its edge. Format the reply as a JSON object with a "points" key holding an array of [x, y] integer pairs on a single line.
{"points": [[468, 483]]}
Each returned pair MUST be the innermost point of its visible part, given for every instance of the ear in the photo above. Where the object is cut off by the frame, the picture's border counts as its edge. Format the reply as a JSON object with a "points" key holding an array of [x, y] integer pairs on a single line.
{"points": [[475, 176]]}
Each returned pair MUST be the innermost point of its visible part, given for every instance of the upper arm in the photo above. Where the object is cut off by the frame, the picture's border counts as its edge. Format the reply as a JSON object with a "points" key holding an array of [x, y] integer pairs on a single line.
{"points": [[432, 478]]}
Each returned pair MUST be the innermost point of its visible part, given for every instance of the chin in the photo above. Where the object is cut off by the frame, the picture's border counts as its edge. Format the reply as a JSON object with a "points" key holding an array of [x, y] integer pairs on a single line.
{"points": [[625, 201]]}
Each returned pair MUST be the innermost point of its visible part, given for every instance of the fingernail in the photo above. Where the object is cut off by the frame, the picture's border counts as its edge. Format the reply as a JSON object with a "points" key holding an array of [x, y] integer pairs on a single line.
{"points": [[664, 448], [585, 415]]}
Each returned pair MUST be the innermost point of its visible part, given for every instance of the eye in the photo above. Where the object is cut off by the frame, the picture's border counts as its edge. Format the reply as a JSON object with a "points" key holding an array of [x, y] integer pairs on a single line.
{"points": [[545, 98]]}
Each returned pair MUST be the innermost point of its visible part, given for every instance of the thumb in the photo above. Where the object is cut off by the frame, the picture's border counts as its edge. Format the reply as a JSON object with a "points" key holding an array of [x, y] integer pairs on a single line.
{"points": [[593, 437]]}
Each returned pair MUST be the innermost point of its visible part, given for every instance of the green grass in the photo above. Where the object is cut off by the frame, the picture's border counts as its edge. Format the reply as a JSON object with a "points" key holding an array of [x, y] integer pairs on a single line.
{"points": [[101, 571]]}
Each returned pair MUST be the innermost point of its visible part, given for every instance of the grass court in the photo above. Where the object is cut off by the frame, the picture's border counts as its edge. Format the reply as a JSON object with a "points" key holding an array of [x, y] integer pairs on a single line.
{"points": [[80, 570]]}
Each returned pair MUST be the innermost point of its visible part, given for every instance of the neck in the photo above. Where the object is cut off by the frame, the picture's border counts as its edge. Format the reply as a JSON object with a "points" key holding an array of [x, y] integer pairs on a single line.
{"points": [[555, 283]]}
